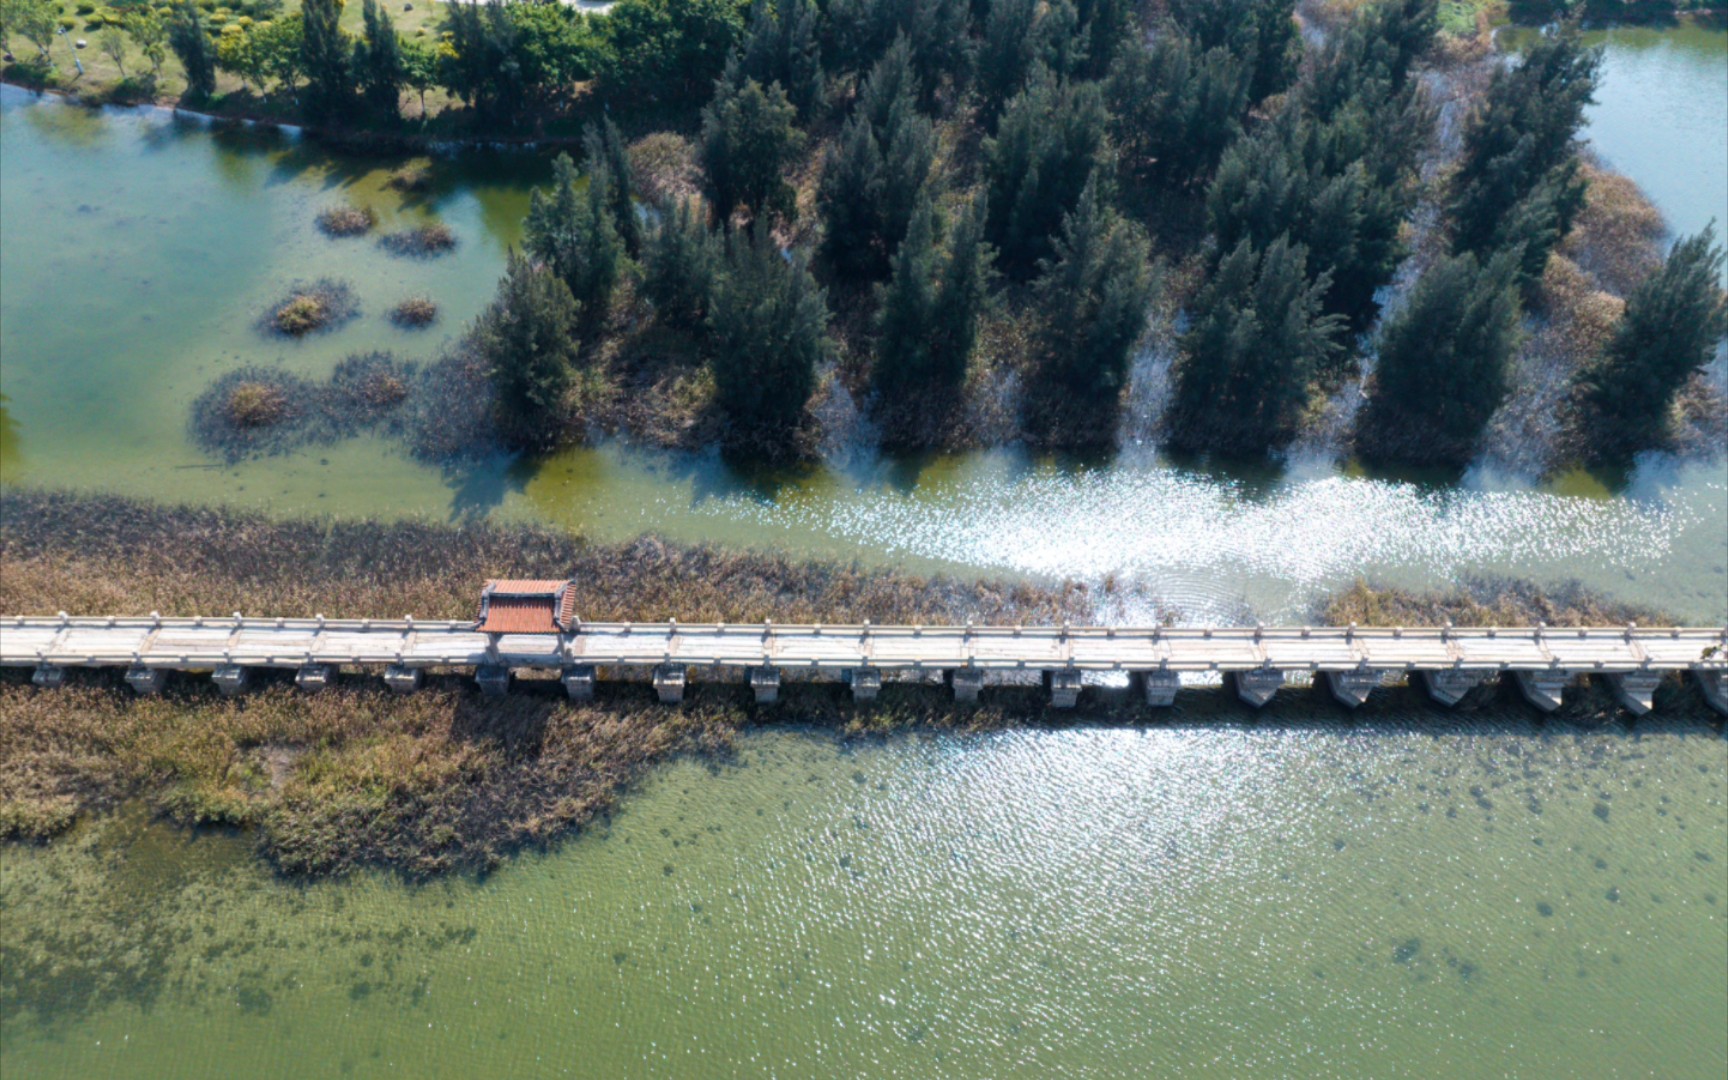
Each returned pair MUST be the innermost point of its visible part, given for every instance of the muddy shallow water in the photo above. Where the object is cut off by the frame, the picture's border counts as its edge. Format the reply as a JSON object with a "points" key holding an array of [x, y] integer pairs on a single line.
{"points": [[1405, 897]]}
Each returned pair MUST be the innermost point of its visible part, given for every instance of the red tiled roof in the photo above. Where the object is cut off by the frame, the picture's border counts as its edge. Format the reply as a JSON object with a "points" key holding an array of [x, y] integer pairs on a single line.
{"points": [[516, 606]]}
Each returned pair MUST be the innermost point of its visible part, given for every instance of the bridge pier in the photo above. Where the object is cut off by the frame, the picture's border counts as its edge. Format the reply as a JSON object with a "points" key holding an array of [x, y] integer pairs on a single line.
{"points": [[765, 682], [578, 680], [669, 680], [967, 681], [1636, 689], [1351, 688], [314, 677], [402, 679], [1159, 687], [494, 679], [866, 684], [1543, 689], [145, 681], [1715, 687], [231, 679], [1064, 688], [1449, 686], [49, 676], [1256, 687]]}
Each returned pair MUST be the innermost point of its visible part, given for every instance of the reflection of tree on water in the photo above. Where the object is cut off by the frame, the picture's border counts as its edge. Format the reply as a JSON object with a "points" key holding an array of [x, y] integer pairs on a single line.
{"points": [[9, 438]]}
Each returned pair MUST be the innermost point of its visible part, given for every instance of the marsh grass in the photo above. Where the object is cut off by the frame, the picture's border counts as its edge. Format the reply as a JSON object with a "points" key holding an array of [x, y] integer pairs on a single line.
{"points": [[1482, 602], [421, 242], [322, 305], [427, 782], [258, 412], [345, 221], [447, 779], [415, 313]]}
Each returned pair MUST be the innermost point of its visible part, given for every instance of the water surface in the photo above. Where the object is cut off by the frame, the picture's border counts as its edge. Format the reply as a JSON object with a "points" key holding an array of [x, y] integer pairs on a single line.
{"points": [[1405, 898], [140, 251]]}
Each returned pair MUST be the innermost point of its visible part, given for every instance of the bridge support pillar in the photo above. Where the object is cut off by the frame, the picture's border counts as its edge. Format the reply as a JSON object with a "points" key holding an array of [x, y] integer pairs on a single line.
{"points": [[669, 682], [145, 681], [494, 679], [1256, 687], [231, 679], [1159, 687], [1636, 689], [765, 681], [578, 680], [1448, 686], [402, 679], [1715, 687], [966, 681], [1064, 688], [1352, 688], [866, 684], [314, 677], [1544, 688], [49, 676]]}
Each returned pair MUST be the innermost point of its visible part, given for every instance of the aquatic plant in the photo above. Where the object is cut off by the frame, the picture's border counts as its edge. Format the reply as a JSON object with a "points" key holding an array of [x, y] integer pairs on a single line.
{"points": [[342, 221], [310, 308], [422, 242], [256, 404], [414, 313]]}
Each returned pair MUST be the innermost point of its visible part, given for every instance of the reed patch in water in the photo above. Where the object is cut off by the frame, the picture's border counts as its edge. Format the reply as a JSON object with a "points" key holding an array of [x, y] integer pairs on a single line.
{"points": [[415, 313], [422, 242], [320, 306], [345, 221]]}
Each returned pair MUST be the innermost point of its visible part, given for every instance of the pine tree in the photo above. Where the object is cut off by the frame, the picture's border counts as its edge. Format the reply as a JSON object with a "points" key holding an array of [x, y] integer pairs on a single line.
{"points": [[1674, 323], [780, 46], [190, 40], [526, 339], [1006, 55], [849, 200], [746, 143], [1174, 110], [680, 265], [378, 62], [908, 314], [1517, 179], [768, 330], [962, 293], [1262, 34], [609, 165], [1094, 295], [1257, 337], [1049, 141], [1105, 25], [1445, 358], [572, 232], [328, 61]]}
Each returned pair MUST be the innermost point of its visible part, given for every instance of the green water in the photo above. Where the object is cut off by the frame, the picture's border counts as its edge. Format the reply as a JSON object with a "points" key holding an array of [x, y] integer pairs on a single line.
{"points": [[139, 253], [1298, 896], [1396, 899]]}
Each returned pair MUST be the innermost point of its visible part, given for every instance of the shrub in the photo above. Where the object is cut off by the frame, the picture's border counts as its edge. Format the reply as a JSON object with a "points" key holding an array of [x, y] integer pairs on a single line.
{"points": [[301, 315], [321, 305], [346, 220], [414, 313], [424, 242], [256, 405]]}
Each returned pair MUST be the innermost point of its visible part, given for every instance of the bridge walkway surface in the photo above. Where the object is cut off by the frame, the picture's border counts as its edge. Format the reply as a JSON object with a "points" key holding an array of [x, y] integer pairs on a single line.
{"points": [[1353, 661]]}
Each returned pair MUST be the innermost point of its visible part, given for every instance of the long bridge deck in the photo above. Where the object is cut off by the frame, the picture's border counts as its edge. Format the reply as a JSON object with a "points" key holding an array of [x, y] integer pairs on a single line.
{"points": [[1449, 661]]}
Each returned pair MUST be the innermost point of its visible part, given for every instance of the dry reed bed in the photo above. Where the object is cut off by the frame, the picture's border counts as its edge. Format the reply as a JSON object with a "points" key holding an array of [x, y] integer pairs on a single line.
{"points": [[446, 779]]}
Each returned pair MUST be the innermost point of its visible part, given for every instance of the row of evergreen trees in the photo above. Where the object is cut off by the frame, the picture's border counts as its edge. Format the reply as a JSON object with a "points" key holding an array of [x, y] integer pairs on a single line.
{"points": [[1304, 198]]}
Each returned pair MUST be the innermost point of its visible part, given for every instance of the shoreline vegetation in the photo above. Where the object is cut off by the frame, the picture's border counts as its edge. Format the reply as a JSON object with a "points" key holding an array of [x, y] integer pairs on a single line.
{"points": [[1025, 221], [447, 780]]}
